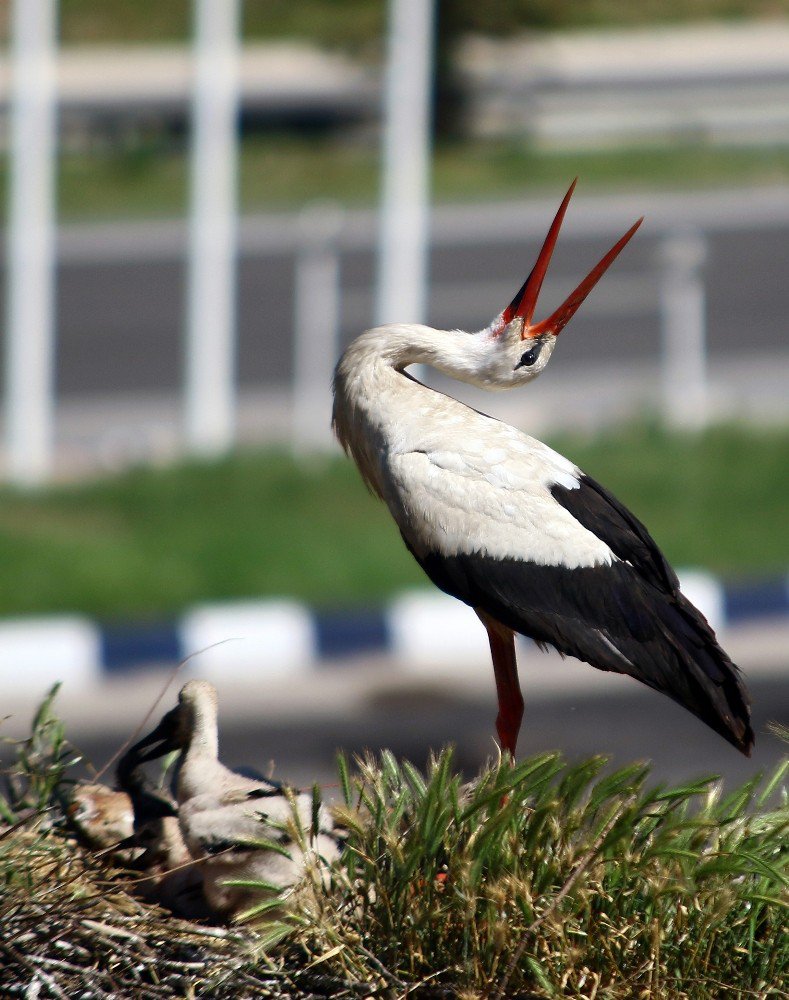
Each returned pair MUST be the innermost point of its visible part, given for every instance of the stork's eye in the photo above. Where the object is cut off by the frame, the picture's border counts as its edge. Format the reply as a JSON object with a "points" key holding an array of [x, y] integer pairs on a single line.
{"points": [[529, 357]]}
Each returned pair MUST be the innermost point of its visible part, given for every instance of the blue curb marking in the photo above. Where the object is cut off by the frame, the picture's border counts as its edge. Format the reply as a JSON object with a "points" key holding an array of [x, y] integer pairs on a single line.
{"points": [[339, 635], [123, 647], [756, 600], [354, 632]]}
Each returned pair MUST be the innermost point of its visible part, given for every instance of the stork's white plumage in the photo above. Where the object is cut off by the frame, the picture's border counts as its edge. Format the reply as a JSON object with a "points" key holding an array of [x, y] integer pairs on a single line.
{"points": [[515, 530]]}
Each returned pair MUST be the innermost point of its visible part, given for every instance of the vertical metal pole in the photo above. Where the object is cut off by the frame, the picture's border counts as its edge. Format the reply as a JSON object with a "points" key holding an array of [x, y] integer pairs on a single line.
{"points": [[684, 341], [403, 252], [316, 324], [211, 306], [30, 327]]}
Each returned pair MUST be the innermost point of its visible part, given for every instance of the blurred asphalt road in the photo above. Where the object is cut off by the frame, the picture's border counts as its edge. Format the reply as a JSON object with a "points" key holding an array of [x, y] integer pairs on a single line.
{"points": [[121, 296], [121, 319], [299, 723]]}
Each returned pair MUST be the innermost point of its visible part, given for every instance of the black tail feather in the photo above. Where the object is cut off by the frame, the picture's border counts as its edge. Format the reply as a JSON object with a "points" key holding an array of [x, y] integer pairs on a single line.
{"points": [[614, 619]]}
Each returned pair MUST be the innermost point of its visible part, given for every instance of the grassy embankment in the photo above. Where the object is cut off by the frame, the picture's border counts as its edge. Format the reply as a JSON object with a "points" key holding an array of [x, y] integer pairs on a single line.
{"points": [[142, 176], [283, 172], [356, 24], [149, 542], [539, 880]]}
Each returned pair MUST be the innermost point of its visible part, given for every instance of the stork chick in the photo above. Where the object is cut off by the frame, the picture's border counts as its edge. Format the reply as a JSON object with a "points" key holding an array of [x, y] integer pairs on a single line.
{"points": [[102, 817], [171, 877], [238, 828], [138, 825], [515, 530]]}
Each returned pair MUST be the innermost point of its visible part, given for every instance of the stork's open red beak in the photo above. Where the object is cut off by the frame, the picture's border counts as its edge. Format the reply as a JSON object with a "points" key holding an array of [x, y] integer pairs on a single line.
{"points": [[525, 302]]}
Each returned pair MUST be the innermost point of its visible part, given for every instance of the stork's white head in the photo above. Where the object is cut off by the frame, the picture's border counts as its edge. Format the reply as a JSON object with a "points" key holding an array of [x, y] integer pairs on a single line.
{"points": [[513, 350], [510, 351]]}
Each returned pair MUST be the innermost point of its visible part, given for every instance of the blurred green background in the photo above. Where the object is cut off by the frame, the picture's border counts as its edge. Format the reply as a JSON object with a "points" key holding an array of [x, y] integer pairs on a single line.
{"points": [[146, 175], [150, 541]]}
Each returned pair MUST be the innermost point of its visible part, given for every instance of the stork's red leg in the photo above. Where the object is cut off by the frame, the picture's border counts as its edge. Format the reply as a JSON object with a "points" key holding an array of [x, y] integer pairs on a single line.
{"points": [[505, 668]]}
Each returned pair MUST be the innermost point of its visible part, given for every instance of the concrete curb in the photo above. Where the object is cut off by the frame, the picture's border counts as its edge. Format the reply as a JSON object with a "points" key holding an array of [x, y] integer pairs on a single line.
{"points": [[425, 633]]}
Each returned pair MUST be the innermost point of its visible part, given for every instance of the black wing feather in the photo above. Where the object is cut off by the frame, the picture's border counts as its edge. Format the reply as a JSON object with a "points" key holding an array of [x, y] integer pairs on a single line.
{"points": [[628, 617], [601, 513]]}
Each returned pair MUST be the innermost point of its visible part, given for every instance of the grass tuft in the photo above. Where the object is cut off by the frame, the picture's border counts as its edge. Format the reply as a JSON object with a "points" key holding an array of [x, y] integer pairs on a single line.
{"points": [[558, 879], [40, 768]]}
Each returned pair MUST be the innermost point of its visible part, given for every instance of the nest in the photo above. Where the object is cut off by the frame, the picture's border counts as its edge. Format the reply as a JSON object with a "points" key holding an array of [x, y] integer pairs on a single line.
{"points": [[73, 928]]}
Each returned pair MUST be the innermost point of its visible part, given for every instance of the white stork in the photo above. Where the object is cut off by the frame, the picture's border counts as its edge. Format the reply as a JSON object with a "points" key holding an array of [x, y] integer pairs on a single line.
{"points": [[515, 530]]}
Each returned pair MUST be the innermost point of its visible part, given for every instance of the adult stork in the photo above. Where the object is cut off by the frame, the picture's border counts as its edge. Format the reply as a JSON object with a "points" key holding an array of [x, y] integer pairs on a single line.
{"points": [[515, 530]]}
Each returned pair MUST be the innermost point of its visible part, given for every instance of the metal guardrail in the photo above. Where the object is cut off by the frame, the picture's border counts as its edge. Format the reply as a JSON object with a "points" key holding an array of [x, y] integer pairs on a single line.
{"points": [[450, 225], [671, 285], [111, 90], [718, 81], [711, 81], [211, 382]]}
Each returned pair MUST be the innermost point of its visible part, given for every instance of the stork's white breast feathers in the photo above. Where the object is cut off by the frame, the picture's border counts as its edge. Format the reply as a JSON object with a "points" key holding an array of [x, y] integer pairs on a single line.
{"points": [[492, 497]]}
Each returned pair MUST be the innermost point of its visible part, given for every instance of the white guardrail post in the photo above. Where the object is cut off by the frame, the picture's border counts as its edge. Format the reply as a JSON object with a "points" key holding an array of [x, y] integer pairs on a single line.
{"points": [[403, 248], [211, 307], [316, 325], [30, 326], [684, 376]]}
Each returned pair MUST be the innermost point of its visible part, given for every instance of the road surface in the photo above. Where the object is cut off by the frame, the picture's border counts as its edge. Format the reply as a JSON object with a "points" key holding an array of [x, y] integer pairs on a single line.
{"points": [[299, 722], [412, 723], [121, 322], [121, 291]]}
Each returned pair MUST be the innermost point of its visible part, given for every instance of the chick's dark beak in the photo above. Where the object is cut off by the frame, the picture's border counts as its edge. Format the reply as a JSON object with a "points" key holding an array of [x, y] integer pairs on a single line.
{"points": [[162, 740]]}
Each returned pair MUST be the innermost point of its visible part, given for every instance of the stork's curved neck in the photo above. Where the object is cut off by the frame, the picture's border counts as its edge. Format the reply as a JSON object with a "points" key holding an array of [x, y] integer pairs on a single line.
{"points": [[378, 408], [204, 737], [453, 352], [202, 748]]}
